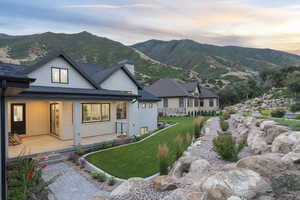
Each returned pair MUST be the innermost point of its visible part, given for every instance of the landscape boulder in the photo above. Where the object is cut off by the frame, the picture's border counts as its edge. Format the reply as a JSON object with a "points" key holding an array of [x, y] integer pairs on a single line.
{"points": [[271, 131], [256, 141], [198, 169], [285, 142], [185, 194], [225, 183], [265, 124], [132, 184], [291, 158], [265, 164], [182, 166], [164, 183]]}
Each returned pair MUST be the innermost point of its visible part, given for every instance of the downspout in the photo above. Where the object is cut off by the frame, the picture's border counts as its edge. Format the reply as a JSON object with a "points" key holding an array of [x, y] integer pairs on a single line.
{"points": [[3, 143]]}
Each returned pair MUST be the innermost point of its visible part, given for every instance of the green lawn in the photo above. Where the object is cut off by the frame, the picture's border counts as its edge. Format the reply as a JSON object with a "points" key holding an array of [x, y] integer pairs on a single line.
{"points": [[140, 160], [292, 124]]}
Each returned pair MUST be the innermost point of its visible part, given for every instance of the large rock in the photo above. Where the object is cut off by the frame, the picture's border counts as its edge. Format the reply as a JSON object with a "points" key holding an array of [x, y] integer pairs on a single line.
{"points": [[127, 187], [285, 142], [265, 164], [234, 198], [271, 131], [182, 166], [164, 183], [234, 182], [185, 194], [256, 141], [198, 169], [291, 158], [266, 123]]}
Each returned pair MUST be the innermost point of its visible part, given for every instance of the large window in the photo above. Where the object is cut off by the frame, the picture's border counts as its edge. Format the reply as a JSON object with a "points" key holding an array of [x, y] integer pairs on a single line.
{"points": [[190, 102], [196, 102], [95, 112], [211, 103], [165, 102], [59, 75], [143, 130], [121, 110], [181, 102]]}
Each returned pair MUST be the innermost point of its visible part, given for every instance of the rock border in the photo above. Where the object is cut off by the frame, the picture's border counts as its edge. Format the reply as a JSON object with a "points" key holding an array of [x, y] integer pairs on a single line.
{"points": [[90, 165]]}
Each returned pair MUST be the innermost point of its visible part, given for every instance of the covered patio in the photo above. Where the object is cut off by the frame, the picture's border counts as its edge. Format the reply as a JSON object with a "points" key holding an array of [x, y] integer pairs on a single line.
{"points": [[48, 143]]}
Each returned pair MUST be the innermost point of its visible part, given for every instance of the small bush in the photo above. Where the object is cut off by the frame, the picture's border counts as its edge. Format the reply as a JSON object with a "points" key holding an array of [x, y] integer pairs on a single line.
{"points": [[225, 145], [266, 112], [163, 155], [231, 111], [225, 116], [278, 113], [295, 107], [101, 177], [224, 125], [80, 152], [111, 181]]}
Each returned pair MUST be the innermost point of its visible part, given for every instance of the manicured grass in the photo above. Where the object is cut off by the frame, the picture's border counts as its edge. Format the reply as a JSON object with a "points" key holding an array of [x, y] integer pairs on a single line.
{"points": [[140, 160], [292, 124]]}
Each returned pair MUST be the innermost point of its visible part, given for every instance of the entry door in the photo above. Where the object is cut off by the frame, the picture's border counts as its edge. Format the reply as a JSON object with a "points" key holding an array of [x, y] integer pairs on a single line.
{"points": [[18, 121], [54, 119]]}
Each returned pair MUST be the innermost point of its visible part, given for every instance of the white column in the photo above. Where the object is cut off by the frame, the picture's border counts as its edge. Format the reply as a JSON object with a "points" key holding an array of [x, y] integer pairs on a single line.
{"points": [[76, 123]]}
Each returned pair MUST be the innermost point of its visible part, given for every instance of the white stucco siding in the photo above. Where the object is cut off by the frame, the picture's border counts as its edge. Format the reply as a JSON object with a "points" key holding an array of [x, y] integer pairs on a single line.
{"points": [[147, 117], [119, 80], [43, 75]]}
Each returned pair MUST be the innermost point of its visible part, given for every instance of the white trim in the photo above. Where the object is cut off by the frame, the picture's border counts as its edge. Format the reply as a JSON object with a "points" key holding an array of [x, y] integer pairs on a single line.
{"points": [[109, 175]]}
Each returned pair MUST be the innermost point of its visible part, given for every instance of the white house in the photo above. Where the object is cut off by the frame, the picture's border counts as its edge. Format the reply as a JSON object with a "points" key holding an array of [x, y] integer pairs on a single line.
{"points": [[72, 103]]}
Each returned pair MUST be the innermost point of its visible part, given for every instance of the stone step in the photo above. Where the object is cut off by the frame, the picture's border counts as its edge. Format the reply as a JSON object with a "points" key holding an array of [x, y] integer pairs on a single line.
{"points": [[53, 158]]}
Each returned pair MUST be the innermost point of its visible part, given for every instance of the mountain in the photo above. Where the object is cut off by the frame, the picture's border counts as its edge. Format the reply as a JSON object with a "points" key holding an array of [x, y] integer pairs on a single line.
{"points": [[85, 47], [215, 62]]}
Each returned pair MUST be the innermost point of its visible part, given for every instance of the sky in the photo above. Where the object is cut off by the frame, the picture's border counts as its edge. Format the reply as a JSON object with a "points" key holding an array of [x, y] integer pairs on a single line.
{"points": [[250, 23]]}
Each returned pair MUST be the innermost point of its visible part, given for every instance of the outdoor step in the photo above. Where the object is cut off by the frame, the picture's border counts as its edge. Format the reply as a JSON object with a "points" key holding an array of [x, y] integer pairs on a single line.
{"points": [[52, 161], [53, 158]]}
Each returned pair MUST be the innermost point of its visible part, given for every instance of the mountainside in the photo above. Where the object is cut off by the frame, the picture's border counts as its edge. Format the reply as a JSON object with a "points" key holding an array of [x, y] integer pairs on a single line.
{"points": [[213, 62], [85, 47]]}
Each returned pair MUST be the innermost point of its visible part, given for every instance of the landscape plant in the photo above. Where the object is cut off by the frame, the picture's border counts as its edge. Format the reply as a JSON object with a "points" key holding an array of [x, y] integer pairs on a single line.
{"points": [[178, 146], [99, 176], [25, 179], [227, 146], [80, 152], [163, 157], [111, 181], [224, 125], [278, 113], [295, 107], [198, 123]]}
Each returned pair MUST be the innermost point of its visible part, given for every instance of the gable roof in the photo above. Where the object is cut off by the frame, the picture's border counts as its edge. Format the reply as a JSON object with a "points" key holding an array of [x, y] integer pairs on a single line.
{"points": [[51, 56], [99, 73], [147, 96], [178, 88]]}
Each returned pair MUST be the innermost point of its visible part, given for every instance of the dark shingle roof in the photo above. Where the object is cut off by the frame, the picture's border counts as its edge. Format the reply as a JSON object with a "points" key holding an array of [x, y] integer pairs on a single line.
{"points": [[177, 88], [147, 96], [167, 88], [12, 71]]}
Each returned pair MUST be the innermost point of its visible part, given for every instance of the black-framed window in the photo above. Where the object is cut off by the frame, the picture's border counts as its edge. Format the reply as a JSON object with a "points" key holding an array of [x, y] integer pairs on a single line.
{"points": [[165, 102], [95, 112], [122, 110], [201, 103], [190, 102], [211, 103], [144, 130], [59, 75], [181, 102], [196, 102]]}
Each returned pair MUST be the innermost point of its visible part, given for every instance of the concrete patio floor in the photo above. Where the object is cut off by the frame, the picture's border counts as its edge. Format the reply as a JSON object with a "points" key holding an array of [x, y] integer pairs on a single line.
{"points": [[47, 143]]}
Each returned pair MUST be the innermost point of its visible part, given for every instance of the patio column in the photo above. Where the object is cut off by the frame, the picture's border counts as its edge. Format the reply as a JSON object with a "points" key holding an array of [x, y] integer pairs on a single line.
{"points": [[76, 123]]}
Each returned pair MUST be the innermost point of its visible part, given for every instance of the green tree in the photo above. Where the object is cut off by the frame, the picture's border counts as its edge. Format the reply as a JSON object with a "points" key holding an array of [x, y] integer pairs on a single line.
{"points": [[293, 82]]}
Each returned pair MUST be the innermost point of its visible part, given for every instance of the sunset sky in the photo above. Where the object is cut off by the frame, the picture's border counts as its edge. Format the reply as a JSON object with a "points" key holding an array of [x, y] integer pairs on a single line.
{"points": [[252, 23]]}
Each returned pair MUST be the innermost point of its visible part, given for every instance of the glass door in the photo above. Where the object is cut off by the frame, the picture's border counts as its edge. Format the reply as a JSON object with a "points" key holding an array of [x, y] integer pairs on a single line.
{"points": [[54, 119]]}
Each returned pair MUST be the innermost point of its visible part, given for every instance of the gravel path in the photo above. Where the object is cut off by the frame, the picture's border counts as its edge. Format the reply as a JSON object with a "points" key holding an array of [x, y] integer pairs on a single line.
{"points": [[204, 147], [71, 185]]}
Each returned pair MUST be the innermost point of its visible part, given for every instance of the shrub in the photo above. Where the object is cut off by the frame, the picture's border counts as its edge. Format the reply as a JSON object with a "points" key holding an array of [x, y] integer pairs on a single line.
{"points": [[225, 116], [265, 112], [225, 145], [231, 111], [198, 126], [25, 179], [178, 146], [295, 107], [111, 181], [73, 157], [163, 154], [80, 152], [278, 113], [188, 140], [101, 177], [224, 125]]}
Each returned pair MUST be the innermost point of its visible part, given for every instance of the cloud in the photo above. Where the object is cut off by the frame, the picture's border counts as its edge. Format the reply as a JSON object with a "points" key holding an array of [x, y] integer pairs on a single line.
{"points": [[112, 6]]}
